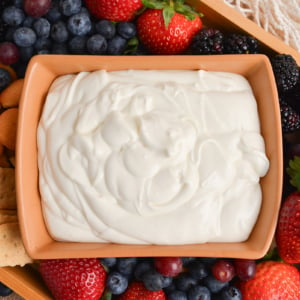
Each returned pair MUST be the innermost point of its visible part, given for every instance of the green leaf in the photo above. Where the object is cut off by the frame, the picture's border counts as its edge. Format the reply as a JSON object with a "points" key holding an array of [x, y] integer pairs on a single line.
{"points": [[179, 2], [155, 4], [168, 13], [106, 296], [293, 170], [132, 46], [186, 10]]}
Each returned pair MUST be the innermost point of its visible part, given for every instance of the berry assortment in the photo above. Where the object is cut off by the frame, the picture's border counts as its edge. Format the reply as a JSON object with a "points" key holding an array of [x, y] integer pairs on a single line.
{"points": [[98, 27]]}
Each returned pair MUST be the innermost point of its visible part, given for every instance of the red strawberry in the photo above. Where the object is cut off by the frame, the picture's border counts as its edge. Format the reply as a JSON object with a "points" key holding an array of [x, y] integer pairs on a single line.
{"points": [[169, 29], [137, 291], [114, 10], [273, 280], [288, 227], [74, 279]]}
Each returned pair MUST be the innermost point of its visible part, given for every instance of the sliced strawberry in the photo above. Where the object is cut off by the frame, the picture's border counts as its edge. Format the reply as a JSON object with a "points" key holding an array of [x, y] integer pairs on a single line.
{"points": [[114, 10], [74, 279]]}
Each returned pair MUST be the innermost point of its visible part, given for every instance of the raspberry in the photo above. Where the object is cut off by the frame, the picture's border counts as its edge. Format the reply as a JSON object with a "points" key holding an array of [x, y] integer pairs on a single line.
{"points": [[208, 41], [286, 71]]}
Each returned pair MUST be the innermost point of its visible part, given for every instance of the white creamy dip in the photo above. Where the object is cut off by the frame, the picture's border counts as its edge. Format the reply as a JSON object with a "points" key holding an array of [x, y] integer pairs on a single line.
{"points": [[150, 157]]}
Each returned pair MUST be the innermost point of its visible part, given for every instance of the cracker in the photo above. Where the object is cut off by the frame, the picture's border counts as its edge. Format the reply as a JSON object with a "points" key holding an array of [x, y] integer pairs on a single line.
{"points": [[12, 251], [7, 188], [10, 96], [8, 216], [8, 128]]}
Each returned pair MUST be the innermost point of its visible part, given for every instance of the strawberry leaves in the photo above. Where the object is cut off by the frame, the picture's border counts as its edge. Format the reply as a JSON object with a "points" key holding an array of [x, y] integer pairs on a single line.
{"points": [[170, 7]]}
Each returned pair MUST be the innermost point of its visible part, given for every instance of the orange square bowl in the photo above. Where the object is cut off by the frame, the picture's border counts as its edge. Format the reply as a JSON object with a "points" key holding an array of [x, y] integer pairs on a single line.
{"points": [[41, 72]]}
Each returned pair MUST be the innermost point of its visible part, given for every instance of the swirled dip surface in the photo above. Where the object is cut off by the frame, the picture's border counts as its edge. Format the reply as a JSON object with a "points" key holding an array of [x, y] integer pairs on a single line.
{"points": [[159, 157]]}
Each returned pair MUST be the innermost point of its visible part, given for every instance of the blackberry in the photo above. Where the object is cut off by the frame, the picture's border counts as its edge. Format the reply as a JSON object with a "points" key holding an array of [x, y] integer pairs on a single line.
{"points": [[240, 44], [286, 71], [207, 41], [292, 96], [290, 119]]}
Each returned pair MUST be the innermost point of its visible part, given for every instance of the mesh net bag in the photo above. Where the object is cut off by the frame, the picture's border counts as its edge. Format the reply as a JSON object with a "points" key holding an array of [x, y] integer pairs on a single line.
{"points": [[279, 17]]}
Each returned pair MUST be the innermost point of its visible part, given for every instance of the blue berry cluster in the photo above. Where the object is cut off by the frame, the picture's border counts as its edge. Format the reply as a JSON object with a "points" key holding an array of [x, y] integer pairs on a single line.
{"points": [[66, 28], [196, 281]]}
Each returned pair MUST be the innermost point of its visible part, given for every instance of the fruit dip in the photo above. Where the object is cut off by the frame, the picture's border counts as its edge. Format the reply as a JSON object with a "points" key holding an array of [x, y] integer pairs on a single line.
{"points": [[150, 157]]}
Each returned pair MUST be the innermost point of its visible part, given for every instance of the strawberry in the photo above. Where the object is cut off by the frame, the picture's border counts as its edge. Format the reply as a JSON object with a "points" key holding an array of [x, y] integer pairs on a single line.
{"points": [[137, 290], [288, 228], [273, 280], [114, 10], [74, 279], [167, 28]]}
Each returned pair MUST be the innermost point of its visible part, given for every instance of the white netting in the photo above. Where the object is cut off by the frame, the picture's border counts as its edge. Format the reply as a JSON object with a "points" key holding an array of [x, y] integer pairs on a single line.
{"points": [[279, 17]]}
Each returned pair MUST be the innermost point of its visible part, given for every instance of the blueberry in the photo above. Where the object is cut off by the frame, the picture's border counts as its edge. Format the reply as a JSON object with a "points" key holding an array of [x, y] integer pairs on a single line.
{"points": [[197, 269], [85, 11], [59, 48], [4, 290], [213, 284], [42, 44], [5, 79], [184, 282], [59, 32], [9, 34], [106, 28], [116, 283], [26, 53], [106, 261], [70, 7], [13, 16], [208, 261], [28, 21], [167, 281], [54, 14], [153, 281], [126, 29], [116, 45], [18, 3], [199, 292], [79, 24], [96, 44], [24, 37], [126, 265], [42, 27], [169, 289], [140, 268], [231, 293], [45, 51], [177, 295], [187, 260]]}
